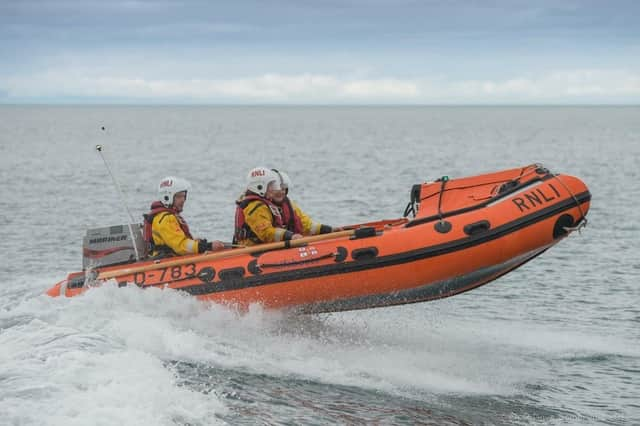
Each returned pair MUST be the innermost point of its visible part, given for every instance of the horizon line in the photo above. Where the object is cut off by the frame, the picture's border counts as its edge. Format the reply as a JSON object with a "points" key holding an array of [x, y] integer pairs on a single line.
{"points": [[381, 105]]}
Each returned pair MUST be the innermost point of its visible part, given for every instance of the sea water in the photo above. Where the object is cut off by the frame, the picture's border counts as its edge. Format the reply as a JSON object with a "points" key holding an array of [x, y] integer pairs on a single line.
{"points": [[556, 341]]}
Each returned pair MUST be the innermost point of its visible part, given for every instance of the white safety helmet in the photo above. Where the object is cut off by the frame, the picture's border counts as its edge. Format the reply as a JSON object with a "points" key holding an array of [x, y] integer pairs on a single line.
{"points": [[169, 187], [258, 180], [285, 181]]}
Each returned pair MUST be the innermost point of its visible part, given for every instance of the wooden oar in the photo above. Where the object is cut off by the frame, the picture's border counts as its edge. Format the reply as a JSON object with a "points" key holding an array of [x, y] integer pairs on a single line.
{"points": [[218, 255], [379, 224]]}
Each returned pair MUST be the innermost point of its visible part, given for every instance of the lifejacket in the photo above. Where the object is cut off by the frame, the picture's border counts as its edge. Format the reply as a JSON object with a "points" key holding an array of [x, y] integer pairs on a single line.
{"points": [[242, 230], [290, 218], [147, 232]]}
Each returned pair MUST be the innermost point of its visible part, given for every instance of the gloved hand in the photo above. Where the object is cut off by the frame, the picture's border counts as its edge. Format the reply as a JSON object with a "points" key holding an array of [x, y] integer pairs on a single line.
{"points": [[217, 245], [204, 245]]}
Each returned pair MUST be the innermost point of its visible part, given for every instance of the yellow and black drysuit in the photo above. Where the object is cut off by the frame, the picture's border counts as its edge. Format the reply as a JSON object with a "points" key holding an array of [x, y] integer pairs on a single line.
{"points": [[167, 233], [260, 220]]}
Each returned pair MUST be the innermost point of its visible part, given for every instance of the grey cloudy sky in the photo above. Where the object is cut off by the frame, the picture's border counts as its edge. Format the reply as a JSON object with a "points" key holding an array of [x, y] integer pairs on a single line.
{"points": [[349, 51]]}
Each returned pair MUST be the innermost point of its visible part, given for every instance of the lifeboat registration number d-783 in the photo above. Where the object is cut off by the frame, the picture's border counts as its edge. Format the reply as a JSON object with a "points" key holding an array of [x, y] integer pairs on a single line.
{"points": [[169, 273]]}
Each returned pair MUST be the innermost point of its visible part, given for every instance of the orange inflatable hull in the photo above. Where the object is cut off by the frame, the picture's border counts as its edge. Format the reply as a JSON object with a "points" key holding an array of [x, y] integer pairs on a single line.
{"points": [[463, 233]]}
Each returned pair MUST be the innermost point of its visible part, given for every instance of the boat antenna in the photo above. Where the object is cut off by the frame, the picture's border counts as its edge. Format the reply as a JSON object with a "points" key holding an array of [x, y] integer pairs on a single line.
{"points": [[122, 199]]}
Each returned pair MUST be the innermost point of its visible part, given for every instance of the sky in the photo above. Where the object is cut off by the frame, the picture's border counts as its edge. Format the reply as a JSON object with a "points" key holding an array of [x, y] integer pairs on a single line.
{"points": [[432, 52]]}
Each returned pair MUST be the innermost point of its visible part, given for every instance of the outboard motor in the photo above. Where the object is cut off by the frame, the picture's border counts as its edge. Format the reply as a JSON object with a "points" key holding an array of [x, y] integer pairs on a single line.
{"points": [[112, 246]]}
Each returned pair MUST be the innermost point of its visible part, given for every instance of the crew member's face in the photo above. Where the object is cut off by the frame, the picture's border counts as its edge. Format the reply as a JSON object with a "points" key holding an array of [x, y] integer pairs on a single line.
{"points": [[275, 193], [179, 200]]}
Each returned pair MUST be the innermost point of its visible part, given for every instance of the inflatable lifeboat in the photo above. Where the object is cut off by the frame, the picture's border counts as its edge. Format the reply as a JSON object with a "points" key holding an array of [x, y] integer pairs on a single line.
{"points": [[455, 235]]}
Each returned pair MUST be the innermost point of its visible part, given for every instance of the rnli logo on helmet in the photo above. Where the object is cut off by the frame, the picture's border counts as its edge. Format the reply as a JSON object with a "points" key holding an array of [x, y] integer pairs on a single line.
{"points": [[166, 183], [257, 173]]}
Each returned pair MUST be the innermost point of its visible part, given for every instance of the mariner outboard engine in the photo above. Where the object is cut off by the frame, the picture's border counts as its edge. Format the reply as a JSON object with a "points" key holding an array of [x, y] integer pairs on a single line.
{"points": [[112, 245]]}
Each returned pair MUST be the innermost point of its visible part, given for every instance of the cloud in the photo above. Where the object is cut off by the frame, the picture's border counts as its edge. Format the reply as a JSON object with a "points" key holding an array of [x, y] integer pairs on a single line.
{"points": [[380, 87], [266, 88], [570, 86]]}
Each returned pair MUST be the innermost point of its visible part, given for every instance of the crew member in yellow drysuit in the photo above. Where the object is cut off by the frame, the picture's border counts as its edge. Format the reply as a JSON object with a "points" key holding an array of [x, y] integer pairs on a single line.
{"points": [[166, 232]]}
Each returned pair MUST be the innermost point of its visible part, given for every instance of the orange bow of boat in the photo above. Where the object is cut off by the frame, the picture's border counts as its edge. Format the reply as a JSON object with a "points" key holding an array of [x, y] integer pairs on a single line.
{"points": [[456, 235]]}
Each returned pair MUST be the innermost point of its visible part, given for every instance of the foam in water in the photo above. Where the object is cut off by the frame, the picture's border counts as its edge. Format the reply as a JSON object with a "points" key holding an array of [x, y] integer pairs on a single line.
{"points": [[107, 350], [72, 361]]}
